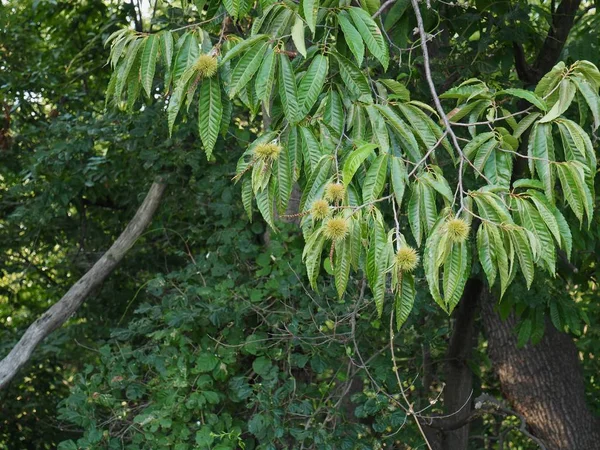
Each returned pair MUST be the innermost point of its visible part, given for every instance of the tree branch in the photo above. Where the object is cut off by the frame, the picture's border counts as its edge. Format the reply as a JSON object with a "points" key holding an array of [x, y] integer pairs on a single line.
{"points": [[58, 313]]}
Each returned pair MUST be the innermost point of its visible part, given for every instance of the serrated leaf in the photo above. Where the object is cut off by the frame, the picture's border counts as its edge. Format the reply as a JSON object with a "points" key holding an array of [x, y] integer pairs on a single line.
{"points": [[399, 178], [297, 32], [522, 248], [541, 152], [354, 161], [265, 78], [414, 213], [243, 46], [210, 112], [566, 93], [525, 123], [404, 298], [379, 127], [487, 253], [125, 67], [530, 96], [187, 54], [312, 83], [375, 179], [471, 148], [149, 57], [312, 255], [341, 270], [352, 37], [265, 200], [178, 95], [316, 182], [246, 67], [287, 89], [247, 196], [371, 34], [403, 131], [354, 79], [311, 9], [570, 191], [591, 97]]}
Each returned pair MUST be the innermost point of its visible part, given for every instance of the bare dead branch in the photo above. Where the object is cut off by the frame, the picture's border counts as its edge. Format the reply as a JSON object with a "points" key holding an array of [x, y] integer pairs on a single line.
{"points": [[58, 313]]}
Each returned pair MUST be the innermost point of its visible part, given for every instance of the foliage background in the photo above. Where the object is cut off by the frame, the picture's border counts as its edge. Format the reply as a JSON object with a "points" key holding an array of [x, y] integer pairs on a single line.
{"points": [[209, 333]]}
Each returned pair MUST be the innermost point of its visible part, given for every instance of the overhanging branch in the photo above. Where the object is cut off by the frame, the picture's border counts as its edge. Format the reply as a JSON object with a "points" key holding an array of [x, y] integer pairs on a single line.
{"points": [[58, 313]]}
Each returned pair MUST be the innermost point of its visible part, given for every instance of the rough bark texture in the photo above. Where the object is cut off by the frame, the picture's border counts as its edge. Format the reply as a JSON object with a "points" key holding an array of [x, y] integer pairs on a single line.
{"points": [[58, 313], [452, 431], [459, 377], [543, 382]]}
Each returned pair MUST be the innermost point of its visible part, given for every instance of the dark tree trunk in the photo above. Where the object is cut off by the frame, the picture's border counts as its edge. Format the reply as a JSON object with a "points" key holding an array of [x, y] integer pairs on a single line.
{"points": [[459, 377], [543, 382], [452, 431]]}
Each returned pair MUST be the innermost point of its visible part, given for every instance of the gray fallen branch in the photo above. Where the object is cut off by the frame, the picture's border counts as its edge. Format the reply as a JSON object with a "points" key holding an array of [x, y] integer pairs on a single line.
{"points": [[58, 313]]}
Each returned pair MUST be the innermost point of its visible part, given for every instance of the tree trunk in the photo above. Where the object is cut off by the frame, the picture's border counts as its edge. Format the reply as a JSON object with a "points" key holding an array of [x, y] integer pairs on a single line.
{"points": [[543, 382], [459, 377]]}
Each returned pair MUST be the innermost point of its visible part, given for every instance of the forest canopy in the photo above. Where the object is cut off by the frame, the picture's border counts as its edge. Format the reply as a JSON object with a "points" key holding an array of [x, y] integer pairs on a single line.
{"points": [[315, 224]]}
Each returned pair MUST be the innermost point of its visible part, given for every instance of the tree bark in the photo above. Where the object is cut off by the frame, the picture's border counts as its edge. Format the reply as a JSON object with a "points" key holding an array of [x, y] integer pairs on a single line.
{"points": [[58, 313], [543, 382], [459, 377]]}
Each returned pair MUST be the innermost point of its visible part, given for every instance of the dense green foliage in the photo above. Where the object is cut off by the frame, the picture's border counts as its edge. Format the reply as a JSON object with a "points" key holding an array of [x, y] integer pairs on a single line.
{"points": [[220, 333]]}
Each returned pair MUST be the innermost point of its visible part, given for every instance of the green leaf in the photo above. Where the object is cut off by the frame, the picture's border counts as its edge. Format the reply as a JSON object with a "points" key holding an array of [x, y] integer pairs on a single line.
{"points": [[287, 89], [546, 211], [246, 68], [265, 78], [243, 46], [522, 248], [566, 93], [591, 97], [316, 182], [531, 97], [354, 161], [457, 268], [379, 127], [375, 179], [333, 114], [343, 256], [312, 255], [178, 96], [471, 148], [125, 67], [487, 253], [285, 178], [414, 213], [149, 57], [399, 177], [404, 298], [397, 89], [311, 9], [247, 196], [311, 84], [298, 36], [525, 123], [352, 37], [483, 154], [354, 79], [210, 112], [187, 54], [371, 34], [403, 131], [264, 201], [541, 152]]}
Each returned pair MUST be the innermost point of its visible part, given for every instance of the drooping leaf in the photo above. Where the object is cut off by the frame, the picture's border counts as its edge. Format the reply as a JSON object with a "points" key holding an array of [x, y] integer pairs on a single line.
{"points": [[375, 179], [246, 67], [210, 113], [298, 36], [354, 161], [311, 85], [287, 89], [371, 34], [352, 37]]}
